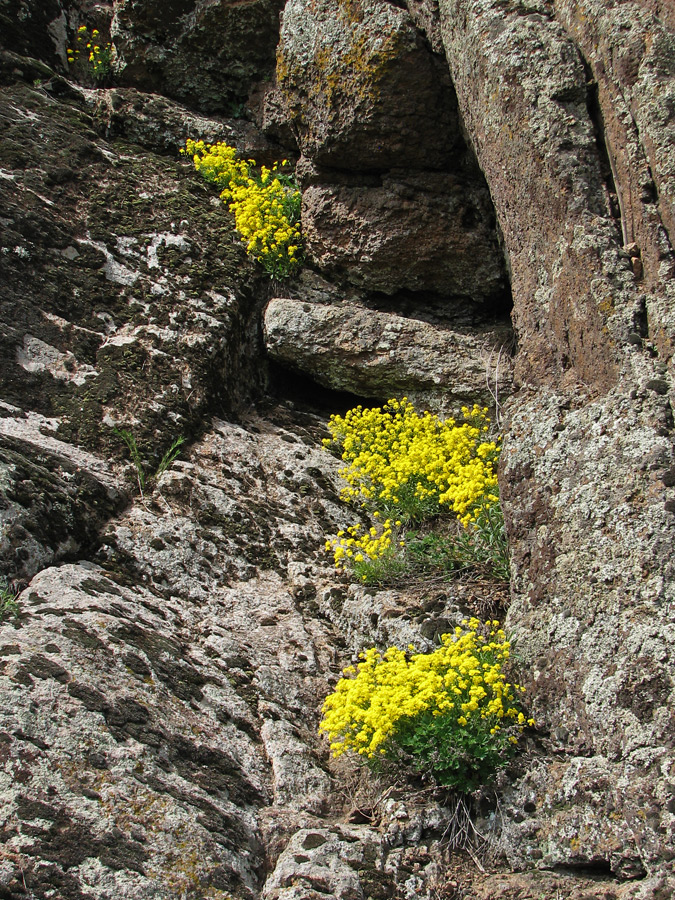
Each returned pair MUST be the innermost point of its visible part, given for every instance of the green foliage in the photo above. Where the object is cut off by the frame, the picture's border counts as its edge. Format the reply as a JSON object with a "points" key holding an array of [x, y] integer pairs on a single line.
{"points": [[171, 454], [90, 58], [483, 543], [136, 458], [450, 715], [8, 604], [266, 204], [143, 478], [430, 487]]}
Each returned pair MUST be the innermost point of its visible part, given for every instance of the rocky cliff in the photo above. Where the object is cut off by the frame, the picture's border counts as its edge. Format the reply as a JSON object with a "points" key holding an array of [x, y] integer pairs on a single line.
{"points": [[488, 210]]}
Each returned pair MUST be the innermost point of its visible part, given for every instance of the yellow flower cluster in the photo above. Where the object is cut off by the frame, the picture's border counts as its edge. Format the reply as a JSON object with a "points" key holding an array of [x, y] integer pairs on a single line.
{"points": [[457, 694], [398, 458], [219, 164], [359, 543], [266, 206], [98, 56]]}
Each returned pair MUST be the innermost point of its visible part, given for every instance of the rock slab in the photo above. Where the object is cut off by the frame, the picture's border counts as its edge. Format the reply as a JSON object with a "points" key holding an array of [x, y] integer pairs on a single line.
{"points": [[381, 355]]}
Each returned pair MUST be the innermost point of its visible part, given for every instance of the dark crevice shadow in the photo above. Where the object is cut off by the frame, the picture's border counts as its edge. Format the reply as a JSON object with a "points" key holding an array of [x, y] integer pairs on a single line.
{"points": [[606, 165], [307, 395]]}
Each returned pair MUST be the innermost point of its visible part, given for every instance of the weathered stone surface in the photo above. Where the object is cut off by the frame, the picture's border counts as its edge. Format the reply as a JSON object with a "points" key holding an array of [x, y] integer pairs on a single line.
{"points": [[253, 503], [522, 92], [415, 614], [587, 458], [111, 782], [519, 886], [362, 89], [380, 355], [426, 16], [320, 863], [35, 29], [630, 50], [416, 231], [134, 301], [206, 54], [54, 497], [160, 124], [168, 706], [392, 199], [593, 586], [404, 856], [159, 707]]}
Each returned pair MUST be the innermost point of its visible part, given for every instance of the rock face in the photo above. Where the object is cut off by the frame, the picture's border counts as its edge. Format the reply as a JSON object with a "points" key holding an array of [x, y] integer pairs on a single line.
{"points": [[54, 497], [163, 125], [375, 354], [116, 246], [161, 684], [160, 687], [361, 88], [392, 199], [629, 51], [417, 231], [196, 51], [586, 478], [196, 689], [35, 29]]}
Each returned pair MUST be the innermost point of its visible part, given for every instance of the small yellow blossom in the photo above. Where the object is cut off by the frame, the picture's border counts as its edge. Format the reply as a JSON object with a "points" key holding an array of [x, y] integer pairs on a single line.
{"points": [[266, 207], [420, 703]]}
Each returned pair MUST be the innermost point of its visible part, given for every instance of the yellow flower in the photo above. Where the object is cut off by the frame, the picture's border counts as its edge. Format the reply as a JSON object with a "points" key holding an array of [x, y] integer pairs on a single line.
{"points": [[266, 211], [386, 697]]}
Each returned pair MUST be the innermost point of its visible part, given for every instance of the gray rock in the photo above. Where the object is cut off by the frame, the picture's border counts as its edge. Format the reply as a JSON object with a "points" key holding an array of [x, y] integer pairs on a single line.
{"points": [[630, 49], [36, 29], [414, 231], [361, 88], [96, 709], [54, 497], [588, 444], [160, 124], [299, 783], [159, 707], [373, 112], [195, 51], [402, 856], [322, 863], [382, 355], [134, 303]]}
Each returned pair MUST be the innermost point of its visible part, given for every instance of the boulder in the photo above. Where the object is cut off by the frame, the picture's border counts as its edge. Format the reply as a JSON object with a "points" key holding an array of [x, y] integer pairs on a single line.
{"points": [[199, 52], [416, 231], [382, 355], [392, 198], [362, 89]]}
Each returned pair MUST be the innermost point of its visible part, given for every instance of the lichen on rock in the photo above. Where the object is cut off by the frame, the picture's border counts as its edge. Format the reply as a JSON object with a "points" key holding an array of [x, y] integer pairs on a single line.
{"points": [[361, 88], [382, 355]]}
